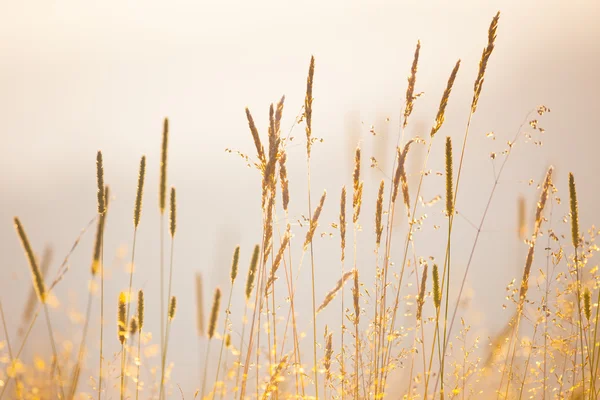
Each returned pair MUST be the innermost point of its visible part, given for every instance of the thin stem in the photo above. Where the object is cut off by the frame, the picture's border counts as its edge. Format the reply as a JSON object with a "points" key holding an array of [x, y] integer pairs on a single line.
{"points": [[162, 282], [138, 362], [54, 351], [227, 312], [10, 353], [77, 372], [101, 315], [314, 306], [239, 362], [164, 354], [483, 218], [206, 357], [164, 360], [31, 324]]}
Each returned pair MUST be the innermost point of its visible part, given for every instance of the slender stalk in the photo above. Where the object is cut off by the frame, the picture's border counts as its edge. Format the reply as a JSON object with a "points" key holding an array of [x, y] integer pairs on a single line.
{"points": [[224, 333], [4, 327], [54, 350], [239, 362], [138, 363], [77, 371], [31, 324]]}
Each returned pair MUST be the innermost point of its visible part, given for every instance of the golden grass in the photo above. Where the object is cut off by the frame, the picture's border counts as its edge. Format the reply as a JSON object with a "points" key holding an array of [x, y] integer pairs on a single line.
{"points": [[547, 349]]}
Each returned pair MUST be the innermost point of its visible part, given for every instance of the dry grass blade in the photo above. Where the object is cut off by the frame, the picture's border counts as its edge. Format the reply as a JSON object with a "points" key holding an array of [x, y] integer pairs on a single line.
{"points": [[440, 117], [38, 279], [485, 56], [538, 221], [278, 258], [314, 222], [410, 90], [333, 292]]}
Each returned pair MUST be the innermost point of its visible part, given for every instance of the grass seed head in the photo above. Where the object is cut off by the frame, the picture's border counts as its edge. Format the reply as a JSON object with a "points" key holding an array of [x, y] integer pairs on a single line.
{"points": [[140, 192], [36, 273], [162, 190], [214, 313]]}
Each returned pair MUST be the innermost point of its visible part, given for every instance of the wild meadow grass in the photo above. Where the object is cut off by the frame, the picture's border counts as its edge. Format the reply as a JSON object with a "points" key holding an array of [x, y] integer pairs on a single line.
{"points": [[393, 339]]}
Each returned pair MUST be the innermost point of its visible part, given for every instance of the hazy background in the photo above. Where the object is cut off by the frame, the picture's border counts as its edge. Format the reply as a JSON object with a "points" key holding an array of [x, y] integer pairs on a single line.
{"points": [[76, 77]]}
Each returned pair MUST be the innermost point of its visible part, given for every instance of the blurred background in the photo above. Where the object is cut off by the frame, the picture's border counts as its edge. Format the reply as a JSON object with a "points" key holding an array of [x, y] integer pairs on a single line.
{"points": [[77, 77]]}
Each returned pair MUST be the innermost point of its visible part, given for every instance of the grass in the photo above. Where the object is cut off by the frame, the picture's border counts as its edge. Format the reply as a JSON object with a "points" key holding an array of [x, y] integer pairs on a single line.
{"points": [[394, 339]]}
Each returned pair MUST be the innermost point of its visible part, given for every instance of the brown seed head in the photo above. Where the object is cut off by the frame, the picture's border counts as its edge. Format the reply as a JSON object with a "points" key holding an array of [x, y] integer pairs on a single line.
{"points": [[162, 191], [140, 192], [214, 314], [38, 279]]}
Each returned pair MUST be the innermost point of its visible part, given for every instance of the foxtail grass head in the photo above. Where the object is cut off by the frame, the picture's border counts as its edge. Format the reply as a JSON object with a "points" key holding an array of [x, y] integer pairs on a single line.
{"points": [[173, 213], [172, 308], [140, 192], [121, 318], [97, 256], [214, 313], [100, 183], [575, 238], [437, 294], [234, 264], [162, 189], [485, 56], [587, 303], [252, 272], [449, 179], [36, 273], [140, 310], [133, 326]]}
